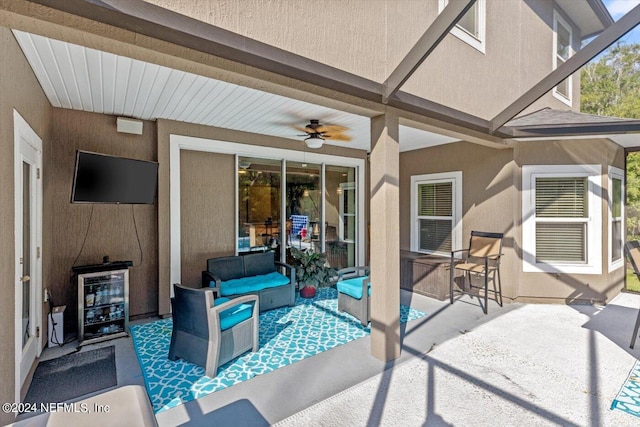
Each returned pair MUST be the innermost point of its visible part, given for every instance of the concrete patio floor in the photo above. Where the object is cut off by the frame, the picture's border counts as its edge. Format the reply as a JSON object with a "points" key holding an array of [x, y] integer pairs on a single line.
{"points": [[520, 364], [537, 365]]}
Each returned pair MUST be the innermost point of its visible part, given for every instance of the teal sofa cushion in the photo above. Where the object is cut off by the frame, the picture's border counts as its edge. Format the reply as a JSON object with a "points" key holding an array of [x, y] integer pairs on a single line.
{"points": [[252, 283], [234, 315], [353, 287]]}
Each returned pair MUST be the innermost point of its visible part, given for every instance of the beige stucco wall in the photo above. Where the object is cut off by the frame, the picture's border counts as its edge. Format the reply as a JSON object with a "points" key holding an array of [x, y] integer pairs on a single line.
{"points": [[370, 38], [489, 194], [492, 181], [517, 56], [352, 40], [110, 229], [222, 219], [19, 89], [207, 198]]}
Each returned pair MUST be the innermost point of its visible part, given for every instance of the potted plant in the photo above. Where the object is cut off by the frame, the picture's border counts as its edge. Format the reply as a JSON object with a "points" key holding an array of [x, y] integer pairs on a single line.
{"points": [[312, 271]]}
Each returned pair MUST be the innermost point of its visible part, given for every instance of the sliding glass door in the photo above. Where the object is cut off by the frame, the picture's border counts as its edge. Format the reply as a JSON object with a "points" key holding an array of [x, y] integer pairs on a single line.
{"points": [[304, 205], [315, 218]]}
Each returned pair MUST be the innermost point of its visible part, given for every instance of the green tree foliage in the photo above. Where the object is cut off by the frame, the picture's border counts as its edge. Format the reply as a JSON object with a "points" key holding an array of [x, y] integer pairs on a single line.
{"points": [[610, 86], [633, 196]]}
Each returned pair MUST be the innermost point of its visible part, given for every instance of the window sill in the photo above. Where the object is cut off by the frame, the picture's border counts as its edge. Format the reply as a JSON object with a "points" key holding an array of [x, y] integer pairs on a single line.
{"points": [[562, 98], [617, 265], [561, 268], [474, 42]]}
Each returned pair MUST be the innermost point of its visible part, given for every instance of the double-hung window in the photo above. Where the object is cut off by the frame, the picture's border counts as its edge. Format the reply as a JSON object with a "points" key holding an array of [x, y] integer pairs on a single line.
{"points": [[562, 51], [616, 215], [436, 205], [471, 27], [562, 219]]}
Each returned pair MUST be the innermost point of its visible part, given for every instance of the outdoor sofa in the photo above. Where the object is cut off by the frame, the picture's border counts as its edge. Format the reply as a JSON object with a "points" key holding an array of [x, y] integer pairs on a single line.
{"points": [[252, 274]]}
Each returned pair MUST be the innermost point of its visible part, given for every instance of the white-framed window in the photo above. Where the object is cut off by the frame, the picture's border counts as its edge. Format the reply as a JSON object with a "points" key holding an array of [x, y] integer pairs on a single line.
{"points": [[562, 51], [471, 27], [562, 218], [436, 213], [616, 218]]}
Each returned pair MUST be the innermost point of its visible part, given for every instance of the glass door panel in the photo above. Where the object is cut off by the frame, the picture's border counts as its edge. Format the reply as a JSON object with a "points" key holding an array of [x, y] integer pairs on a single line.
{"points": [[26, 253], [304, 206], [341, 216], [258, 204]]}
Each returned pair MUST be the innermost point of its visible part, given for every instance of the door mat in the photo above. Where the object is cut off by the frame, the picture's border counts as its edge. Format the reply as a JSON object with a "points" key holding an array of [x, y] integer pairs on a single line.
{"points": [[73, 375]]}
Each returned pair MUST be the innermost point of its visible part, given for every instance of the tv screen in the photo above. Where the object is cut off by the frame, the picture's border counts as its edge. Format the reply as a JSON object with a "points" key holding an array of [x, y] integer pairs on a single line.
{"points": [[100, 178]]}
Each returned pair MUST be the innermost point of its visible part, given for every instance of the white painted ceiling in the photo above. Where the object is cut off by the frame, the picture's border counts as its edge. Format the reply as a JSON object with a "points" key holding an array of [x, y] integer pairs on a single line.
{"points": [[80, 78]]}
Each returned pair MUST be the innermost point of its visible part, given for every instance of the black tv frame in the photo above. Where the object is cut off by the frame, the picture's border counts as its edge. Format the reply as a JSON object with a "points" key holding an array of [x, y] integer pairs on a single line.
{"points": [[146, 201]]}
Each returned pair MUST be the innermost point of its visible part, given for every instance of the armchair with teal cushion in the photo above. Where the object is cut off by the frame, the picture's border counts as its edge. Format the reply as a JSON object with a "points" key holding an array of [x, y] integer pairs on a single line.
{"points": [[354, 290], [209, 332]]}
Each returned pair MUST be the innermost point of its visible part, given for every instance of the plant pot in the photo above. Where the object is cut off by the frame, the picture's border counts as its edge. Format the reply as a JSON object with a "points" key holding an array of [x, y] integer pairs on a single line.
{"points": [[308, 292]]}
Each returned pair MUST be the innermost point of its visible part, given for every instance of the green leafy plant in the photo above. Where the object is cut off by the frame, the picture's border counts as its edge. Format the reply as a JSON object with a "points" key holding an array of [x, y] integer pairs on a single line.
{"points": [[312, 268]]}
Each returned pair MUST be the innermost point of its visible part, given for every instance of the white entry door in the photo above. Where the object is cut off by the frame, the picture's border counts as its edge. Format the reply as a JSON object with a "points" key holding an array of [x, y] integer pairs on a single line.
{"points": [[28, 238]]}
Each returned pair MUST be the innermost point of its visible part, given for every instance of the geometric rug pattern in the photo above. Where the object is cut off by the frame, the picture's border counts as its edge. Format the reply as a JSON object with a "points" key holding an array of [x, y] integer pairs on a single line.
{"points": [[287, 335], [628, 399]]}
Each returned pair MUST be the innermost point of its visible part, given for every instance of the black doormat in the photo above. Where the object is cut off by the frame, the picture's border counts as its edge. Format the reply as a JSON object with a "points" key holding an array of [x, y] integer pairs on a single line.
{"points": [[73, 375]]}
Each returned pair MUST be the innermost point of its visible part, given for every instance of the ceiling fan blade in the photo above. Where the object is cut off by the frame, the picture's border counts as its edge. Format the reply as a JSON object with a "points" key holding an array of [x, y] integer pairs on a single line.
{"points": [[337, 137], [298, 128], [333, 128]]}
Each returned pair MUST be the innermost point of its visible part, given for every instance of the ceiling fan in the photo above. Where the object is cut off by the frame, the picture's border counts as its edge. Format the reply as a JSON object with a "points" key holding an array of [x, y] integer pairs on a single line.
{"points": [[317, 133]]}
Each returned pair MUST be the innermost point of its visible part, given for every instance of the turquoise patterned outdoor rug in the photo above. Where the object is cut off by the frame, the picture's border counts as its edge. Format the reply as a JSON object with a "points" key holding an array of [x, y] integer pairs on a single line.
{"points": [[287, 335], [628, 399]]}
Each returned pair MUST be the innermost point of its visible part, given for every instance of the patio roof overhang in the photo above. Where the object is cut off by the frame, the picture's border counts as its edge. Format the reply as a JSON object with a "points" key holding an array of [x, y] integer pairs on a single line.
{"points": [[606, 130], [590, 20], [147, 19], [549, 123], [162, 24]]}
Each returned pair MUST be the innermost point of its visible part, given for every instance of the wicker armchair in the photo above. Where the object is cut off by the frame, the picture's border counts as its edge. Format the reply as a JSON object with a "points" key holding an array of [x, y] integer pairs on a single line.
{"points": [[354, 289], [210, 333]]}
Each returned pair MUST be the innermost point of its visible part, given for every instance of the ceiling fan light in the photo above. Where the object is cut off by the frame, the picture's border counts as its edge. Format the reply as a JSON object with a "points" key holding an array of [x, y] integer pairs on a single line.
{"points": [[314, 141]]}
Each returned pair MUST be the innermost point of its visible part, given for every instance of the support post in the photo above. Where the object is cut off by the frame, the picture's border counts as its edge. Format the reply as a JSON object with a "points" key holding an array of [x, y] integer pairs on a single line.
{"points": [[385, 237]]}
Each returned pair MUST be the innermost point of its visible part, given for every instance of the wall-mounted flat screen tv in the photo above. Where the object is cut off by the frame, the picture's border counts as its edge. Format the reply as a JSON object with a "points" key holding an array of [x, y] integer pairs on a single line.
{"points": [[100, 178]]}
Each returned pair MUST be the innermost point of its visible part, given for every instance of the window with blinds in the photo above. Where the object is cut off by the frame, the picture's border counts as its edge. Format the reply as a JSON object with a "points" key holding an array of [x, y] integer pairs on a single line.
{"points": [[561, 212], [435, 216], [562, 222]]}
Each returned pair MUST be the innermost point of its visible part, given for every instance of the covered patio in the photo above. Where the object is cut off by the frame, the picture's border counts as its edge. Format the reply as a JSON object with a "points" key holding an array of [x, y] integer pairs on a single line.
{"points": [[198, 84], [458, 366], [187, 78]]}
